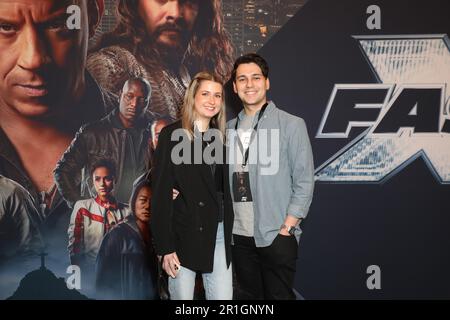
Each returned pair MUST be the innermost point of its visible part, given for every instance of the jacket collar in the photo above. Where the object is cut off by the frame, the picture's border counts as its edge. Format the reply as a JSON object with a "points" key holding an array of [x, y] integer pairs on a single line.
{"points": [[20, 175], [270, 108], [131, 221], [108, 204]]}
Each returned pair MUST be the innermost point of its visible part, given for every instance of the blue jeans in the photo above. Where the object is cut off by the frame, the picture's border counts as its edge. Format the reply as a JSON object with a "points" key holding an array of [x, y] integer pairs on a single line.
{"points": [[218, 284]]}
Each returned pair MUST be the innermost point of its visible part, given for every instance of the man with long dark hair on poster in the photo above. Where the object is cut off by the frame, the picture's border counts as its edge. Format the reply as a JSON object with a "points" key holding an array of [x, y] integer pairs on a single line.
{"points": [[165, 42]]}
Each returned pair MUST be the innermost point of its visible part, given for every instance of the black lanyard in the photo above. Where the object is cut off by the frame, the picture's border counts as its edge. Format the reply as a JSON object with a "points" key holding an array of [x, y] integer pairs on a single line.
{"points": [[255, 128]]}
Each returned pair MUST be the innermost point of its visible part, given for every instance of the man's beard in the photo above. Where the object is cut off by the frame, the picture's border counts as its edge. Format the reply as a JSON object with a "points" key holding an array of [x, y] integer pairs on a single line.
{"points": [[171, 55]]}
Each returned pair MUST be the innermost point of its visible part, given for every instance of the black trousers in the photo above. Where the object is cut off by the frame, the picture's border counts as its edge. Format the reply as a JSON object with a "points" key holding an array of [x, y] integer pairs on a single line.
{"points": [[267, 272]]}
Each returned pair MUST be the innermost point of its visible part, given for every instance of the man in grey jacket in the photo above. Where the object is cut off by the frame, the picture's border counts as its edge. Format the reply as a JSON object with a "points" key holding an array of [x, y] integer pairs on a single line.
{"points": [[272, 182], [122, 137]]}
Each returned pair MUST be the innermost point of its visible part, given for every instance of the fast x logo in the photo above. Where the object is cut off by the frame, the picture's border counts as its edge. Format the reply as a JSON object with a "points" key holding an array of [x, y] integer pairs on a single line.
{"points": [[406, 114]]}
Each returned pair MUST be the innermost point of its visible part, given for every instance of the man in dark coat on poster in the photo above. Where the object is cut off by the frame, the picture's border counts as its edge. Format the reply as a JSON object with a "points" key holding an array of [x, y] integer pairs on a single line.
{"points": [[123, 137]]}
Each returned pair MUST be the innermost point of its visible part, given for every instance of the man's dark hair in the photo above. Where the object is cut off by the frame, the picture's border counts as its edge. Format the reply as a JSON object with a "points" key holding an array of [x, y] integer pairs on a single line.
{"points": [[144, 84], [251, 58], [210, 47], [141, 182], [105, 163]]}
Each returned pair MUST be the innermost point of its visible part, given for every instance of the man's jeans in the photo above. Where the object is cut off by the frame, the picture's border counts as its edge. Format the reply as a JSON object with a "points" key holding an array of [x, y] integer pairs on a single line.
{"points": [[218, 284]]}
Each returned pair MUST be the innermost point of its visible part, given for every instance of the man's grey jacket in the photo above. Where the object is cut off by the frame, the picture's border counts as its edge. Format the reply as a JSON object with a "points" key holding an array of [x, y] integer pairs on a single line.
{"points": [[281, 171]]}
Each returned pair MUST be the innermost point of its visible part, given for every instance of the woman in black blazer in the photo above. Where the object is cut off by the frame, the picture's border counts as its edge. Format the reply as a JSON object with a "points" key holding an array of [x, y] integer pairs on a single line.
{"points": [[193, 232]]}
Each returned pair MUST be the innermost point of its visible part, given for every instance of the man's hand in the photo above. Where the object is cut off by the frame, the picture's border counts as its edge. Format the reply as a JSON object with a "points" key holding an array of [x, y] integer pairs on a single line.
{"points": [[284, 232], [175, 193], [171, 264], [289, 221]]}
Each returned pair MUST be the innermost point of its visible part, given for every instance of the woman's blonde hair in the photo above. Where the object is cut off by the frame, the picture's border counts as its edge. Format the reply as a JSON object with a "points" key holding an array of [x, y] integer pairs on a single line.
{"points": [[188, 114]]}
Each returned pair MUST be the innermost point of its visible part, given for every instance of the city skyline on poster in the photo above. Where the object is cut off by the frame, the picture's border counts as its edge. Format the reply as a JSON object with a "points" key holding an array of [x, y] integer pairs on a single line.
{"points": [[250, 23]]}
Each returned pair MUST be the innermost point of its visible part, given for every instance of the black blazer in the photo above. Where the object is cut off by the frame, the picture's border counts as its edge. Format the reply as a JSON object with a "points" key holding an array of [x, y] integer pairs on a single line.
{"points": [[188, 224]]}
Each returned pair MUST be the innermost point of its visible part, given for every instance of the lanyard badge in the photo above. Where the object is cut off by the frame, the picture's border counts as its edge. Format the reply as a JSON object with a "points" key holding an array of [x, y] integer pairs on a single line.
{"points": [[255, 129]]}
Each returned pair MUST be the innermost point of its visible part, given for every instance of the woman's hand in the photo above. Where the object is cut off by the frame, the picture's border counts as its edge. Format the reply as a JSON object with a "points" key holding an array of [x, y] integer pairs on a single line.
{"points": [[171, 264], [175, 193]]}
